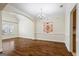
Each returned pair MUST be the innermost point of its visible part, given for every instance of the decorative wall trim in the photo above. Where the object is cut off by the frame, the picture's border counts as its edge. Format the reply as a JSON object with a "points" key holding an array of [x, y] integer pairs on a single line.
{"points": [[50, 33], [51, 37], [9, 21], [17, 38]]}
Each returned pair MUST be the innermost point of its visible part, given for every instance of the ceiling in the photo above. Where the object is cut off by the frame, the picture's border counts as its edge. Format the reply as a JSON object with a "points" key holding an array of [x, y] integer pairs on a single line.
{"points": [[34, 9]]}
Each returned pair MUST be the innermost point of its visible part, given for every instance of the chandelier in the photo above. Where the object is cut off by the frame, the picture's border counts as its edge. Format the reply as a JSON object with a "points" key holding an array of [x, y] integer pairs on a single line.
{"points": [[42, 15]]}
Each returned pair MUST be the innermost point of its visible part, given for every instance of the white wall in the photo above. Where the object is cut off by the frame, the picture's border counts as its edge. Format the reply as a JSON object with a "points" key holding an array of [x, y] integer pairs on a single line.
{"points": [[0, 32], [68, 9], [12, 19], [12, 9], [58, 33], [77, 37], [26, 27]]}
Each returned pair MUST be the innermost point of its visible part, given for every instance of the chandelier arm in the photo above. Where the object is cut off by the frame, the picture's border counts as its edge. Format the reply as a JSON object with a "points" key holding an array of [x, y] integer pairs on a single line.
{"points": [[42, 15]]}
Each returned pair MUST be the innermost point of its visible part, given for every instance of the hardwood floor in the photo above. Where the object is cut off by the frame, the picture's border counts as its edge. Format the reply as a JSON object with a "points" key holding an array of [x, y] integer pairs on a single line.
{"points": [[28, 47]]}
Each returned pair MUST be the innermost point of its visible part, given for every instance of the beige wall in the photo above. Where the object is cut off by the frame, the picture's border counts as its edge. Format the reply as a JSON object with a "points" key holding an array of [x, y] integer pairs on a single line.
{"points": [[58, 33]]}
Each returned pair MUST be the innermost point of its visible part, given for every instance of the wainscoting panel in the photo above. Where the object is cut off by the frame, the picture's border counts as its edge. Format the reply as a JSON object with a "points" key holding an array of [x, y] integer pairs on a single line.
{"points": [[51, 37]]}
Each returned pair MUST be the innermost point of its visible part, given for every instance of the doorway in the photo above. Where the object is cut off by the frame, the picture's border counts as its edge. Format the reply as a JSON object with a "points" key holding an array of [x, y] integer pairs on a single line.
{"points": [[73, 31]]}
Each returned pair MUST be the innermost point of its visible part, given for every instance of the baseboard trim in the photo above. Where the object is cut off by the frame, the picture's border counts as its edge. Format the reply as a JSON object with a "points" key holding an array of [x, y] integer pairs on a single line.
{"points": [[70, 53], [26, 38], [33, 39], [49, 40], [74, 54], [9, 38]]}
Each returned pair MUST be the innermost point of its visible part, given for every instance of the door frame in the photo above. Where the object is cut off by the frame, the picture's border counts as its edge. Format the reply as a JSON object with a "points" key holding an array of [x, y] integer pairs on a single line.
{"points": [[71, 28]]}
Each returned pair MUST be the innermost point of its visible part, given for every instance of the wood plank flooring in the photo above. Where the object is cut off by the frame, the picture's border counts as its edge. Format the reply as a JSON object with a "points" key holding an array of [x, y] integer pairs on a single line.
{"points": [[28, 47]]}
